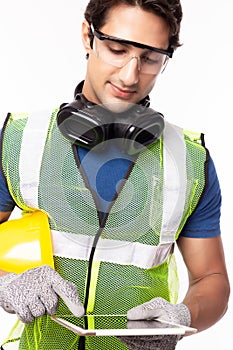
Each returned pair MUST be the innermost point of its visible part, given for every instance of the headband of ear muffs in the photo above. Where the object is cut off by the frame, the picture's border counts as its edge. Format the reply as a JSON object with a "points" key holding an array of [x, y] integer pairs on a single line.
{"points": [[88, 125]]}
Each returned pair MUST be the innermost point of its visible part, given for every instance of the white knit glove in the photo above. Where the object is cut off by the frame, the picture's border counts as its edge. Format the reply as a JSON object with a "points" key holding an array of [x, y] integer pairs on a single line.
{"points": [[154, 309], [35, 292]]}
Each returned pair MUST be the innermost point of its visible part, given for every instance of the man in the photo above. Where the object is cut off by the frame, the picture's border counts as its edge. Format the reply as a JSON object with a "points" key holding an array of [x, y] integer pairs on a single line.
{"points": [[120, 187]]}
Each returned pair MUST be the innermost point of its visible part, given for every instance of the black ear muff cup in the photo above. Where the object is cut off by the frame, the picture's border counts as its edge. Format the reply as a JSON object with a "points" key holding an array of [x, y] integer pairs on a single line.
{"points": [[89, 125]]}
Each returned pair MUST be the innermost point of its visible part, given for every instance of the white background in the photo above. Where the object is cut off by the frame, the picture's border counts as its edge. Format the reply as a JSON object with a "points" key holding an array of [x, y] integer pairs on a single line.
{"points": [[42, 60]]}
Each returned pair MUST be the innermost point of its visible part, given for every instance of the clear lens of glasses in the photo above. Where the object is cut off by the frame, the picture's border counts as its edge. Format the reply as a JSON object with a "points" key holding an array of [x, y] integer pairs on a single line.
{"points": [[118, 55]]}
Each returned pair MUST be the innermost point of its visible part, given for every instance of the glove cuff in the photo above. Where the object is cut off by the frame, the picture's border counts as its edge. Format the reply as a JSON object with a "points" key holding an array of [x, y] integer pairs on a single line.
{"points": [[184, 314], [5, 280]]}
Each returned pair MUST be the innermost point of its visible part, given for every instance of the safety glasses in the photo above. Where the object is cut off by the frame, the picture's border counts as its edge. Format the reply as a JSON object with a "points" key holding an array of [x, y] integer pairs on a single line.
{"points": [[118, 52]]}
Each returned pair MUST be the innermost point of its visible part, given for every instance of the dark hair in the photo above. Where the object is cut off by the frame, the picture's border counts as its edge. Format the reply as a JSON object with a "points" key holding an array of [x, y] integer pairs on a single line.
{"points": [[97, 11]]}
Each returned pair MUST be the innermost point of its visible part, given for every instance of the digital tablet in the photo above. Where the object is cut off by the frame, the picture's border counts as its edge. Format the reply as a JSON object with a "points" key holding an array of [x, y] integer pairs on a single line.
{"points": [[118, 325]]}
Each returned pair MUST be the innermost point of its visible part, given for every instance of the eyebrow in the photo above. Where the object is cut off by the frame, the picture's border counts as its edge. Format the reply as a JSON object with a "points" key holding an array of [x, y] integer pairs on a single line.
{"points": [[102, 36]]}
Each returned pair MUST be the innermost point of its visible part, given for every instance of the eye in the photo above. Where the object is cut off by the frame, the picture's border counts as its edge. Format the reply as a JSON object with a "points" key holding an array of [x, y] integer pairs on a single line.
{"points": [[117, 51], [152, 59], [116, 48], [148, 60]]}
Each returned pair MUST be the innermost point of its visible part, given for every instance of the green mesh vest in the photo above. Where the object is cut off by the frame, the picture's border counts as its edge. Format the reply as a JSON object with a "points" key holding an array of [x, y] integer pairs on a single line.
{"points": [[125, 259]]}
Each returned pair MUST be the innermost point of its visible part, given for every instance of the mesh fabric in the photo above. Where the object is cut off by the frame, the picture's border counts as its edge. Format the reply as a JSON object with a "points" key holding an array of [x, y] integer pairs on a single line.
{"points": [[135, 216]]}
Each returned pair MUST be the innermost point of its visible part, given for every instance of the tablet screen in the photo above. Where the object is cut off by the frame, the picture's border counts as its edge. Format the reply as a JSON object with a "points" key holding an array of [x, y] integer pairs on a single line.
{"points": [[118, 325]]}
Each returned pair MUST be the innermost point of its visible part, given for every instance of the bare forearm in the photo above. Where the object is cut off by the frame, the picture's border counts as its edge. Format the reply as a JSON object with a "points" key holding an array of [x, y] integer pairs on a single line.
{"points": [[207, 300], [208, 292]]}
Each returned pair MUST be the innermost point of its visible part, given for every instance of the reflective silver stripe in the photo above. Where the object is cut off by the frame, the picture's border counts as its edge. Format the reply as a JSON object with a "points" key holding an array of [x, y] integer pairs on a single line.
{"points": [[175, 181], [31, 153], [76, 246]]}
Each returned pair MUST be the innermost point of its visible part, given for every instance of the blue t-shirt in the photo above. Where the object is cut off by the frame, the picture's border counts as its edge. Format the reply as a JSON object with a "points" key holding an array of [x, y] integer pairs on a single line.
{"points": [[105, 173]]}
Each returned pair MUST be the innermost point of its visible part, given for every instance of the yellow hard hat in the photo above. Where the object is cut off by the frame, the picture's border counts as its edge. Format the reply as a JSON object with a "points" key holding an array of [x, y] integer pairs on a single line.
{"points": [[26, 243]]}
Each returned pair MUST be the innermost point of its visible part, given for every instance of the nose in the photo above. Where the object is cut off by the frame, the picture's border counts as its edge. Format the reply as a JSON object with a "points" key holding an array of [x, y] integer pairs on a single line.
{"points": [[129, 73]]}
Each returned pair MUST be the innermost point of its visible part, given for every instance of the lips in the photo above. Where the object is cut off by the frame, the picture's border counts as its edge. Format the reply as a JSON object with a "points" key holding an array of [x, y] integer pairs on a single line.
{"points": [[122, 93]]}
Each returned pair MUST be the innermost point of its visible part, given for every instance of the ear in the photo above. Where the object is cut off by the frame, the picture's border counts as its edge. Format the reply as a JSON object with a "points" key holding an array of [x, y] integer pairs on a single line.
{"points": [[85, 36]]}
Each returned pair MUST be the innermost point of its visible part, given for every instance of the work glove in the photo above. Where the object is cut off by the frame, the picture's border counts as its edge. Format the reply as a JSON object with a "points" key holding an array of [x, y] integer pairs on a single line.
{"points": [[35, 292], [156, 308]]}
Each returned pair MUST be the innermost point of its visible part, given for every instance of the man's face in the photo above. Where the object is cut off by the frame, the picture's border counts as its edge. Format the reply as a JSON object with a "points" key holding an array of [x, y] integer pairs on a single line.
{"points": [[107, 84]]}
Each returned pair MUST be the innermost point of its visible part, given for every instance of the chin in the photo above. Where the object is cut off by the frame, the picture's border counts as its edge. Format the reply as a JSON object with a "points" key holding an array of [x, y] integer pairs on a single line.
{"points": [[118, 106]]}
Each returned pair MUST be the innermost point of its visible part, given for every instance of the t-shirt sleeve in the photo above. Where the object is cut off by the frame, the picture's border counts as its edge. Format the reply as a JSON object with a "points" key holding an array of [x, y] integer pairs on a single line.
{"points": [[205, 220], [6, 201]]}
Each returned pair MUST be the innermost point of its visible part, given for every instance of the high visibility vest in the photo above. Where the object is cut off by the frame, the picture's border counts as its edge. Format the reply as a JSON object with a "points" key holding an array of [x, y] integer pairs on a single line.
{"points": [[121, 261]]}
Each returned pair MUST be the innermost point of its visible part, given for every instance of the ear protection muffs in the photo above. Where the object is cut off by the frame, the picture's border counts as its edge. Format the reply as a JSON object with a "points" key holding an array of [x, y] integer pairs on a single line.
{"points": [[88, 125]]}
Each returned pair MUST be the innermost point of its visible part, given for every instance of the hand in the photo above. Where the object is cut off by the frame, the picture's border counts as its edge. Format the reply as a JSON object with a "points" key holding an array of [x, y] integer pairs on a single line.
{"points": [[154, 309], [35, 292], [150, 342]]}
